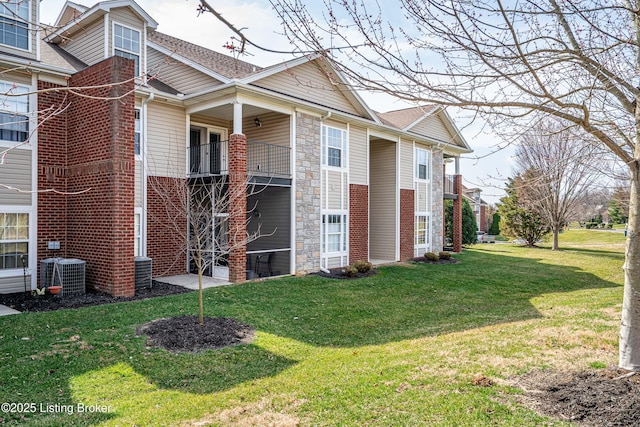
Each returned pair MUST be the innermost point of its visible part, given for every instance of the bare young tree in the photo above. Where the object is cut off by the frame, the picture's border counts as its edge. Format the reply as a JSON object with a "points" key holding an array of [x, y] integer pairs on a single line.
{"points": [[197, 213], [557, 166], [576, 60]]}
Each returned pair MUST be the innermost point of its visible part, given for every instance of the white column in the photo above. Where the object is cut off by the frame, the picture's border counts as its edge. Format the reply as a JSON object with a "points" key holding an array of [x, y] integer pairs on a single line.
{"points": [[237, 118]]}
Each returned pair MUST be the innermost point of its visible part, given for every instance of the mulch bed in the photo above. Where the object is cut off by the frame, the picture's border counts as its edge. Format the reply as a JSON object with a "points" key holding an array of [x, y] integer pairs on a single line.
{"points": [[185, 334], [338, 273], [423, 260], [608, 397], [24, 301]]}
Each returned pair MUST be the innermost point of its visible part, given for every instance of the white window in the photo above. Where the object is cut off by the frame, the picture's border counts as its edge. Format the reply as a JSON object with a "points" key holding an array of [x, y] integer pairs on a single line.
{"points": [[422, 230], [137, 133], [334, 233], [126, 43], [137, 234], [14, 241], [422, 164], [14, 23], [334, 144], [14, 109]]}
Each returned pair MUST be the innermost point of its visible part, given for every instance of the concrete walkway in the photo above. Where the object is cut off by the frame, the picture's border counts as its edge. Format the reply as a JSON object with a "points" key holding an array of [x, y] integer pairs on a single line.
{"points": [[5, 311], [190, 281]]}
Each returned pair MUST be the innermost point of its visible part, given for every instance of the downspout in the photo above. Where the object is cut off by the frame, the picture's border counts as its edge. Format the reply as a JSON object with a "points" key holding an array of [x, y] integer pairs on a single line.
{"points": [[143, 153], [327, 116]]}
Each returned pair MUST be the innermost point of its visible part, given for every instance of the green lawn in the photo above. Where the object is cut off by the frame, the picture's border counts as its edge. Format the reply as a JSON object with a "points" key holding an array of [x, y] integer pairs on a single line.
{"points": [[400, 348]]}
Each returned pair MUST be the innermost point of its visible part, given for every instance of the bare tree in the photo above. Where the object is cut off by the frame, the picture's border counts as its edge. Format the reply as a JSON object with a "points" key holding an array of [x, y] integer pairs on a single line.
{"points": [[577, 60], [197, 214], [557, 166]]}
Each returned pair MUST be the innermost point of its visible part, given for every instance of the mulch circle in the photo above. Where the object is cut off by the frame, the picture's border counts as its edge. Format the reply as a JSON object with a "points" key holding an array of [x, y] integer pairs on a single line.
{"points": [[185, 334], [609, 397], [25, 301]]}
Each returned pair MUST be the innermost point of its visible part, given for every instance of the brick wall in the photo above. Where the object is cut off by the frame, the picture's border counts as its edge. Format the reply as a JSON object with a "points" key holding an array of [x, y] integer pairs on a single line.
{"points": [[358, 223], [237, 207], [52, 171], [407, 224], [100, 159], [166, 225]]}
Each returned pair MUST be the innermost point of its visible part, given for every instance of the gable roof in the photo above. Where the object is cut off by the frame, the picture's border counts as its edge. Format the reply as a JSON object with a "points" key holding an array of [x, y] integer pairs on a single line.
{"points": [[412, 120], [406, 117], [73, 13], [224, 65]]}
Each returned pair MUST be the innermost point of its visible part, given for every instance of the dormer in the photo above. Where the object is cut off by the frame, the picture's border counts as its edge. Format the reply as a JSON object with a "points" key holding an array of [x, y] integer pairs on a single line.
{"points": [[18, 33], [109, 28]]}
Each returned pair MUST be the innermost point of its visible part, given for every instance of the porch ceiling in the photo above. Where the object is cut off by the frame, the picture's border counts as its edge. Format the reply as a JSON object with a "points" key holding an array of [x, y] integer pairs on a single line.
{"points": [[225, 112]]}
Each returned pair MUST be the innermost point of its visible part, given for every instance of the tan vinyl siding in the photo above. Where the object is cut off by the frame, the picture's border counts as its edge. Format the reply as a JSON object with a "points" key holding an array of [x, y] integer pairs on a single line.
{"points": [[382, 196], [211, 121], [9, 285], [334, 262], [138, 186], [179, 76], [335, 191], [275, 129], [309, 83], [16, 172], [433, 127], [358, 155], [166, 140], [18, 78], [124, 16], [88, 44], [406, 164]]}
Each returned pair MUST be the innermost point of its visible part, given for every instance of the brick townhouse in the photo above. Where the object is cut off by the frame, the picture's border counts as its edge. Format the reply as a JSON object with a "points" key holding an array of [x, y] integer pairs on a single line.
{"points": [[101, 106]]}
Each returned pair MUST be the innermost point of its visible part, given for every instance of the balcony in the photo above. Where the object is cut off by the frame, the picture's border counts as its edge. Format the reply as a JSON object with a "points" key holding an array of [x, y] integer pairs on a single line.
{"points": [[449, 187], [263, 160]]}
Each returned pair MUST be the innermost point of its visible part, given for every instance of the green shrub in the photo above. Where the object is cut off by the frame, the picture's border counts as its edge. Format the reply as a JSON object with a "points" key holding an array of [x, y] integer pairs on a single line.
{"points": [[350, 271], [444, 255], [430, 256], [610, 226], [590, 225], [363, 266]]}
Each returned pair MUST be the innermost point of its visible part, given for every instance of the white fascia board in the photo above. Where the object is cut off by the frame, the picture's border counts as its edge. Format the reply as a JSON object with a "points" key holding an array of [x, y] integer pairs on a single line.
{"points": [[80, 8], [188, 62], [277, 69], [302, 60], [105, 7], [452, 127], [435, 110]]}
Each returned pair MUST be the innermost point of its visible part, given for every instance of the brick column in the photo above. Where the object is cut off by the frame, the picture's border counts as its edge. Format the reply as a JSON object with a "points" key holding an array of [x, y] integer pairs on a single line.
{"points": [[457, 214], [237, 208], [407, 224], [358, 223]]}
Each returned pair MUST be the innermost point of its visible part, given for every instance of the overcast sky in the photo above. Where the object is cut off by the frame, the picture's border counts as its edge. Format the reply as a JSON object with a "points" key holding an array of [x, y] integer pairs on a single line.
{"points": [[179, 19]]}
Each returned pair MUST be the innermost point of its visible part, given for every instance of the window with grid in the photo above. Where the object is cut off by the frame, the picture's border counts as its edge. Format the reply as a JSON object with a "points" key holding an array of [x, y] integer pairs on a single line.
{"points": [[14, 23], [334, 143], [14, 109], [126, 42], [421, 228], [334, 233], [14, 240], [422, 164], [137, 235], [137, 133]]}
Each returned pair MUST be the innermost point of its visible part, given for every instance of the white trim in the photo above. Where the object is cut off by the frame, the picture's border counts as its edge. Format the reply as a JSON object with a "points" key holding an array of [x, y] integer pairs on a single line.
{"points": [[187, 168], [103, 6], [106, 35], [398, 199], [30, 32], [31, 242], [38, 34], [33, 222], [293, 132], [140, 45], [171, 54]]}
